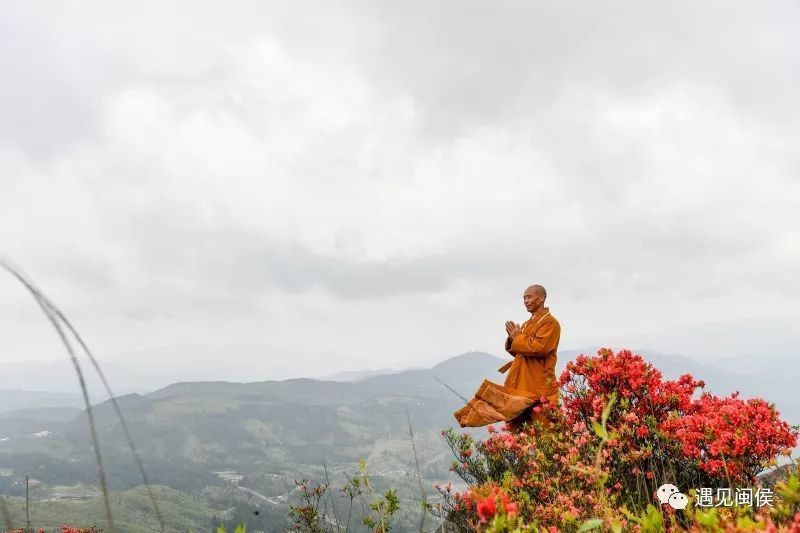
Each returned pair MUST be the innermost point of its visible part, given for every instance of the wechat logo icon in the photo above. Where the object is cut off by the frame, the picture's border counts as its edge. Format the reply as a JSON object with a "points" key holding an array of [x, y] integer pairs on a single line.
{"points": [[670, 495]]}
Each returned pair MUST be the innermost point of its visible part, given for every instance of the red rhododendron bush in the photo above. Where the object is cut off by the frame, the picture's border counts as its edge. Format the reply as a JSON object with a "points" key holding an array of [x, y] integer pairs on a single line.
{"points": [[620, 432]]}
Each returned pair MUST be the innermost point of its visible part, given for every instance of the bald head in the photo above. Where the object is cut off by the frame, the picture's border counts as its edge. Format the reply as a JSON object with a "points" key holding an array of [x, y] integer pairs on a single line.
{"points": [[534, 297], [537, 289]]}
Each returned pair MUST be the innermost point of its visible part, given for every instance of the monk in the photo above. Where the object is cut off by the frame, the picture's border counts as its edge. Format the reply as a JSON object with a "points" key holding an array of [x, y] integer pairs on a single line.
{"points": [[532, 376], [533, 346]]}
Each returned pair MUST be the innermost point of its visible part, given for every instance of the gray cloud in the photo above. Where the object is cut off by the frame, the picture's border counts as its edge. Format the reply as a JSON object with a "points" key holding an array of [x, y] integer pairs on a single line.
{"points": [[175, 166]]}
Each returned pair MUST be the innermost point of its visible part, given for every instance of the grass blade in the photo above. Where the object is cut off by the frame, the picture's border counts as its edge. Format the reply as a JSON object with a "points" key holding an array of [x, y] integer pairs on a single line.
{"points": [[419, 474], [53, 318]]}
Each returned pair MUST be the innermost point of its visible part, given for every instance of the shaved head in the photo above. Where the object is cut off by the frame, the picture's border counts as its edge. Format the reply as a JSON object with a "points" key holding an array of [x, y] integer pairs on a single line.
{"points": [[537, 289], [534, 297]]}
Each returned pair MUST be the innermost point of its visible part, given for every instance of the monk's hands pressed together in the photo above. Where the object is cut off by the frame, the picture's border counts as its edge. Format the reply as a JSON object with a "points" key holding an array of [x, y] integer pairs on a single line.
{"points": [[512, 329]]}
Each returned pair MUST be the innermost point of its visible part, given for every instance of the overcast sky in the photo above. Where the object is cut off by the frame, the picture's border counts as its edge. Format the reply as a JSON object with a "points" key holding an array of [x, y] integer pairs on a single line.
{"points": [[269, 190]]}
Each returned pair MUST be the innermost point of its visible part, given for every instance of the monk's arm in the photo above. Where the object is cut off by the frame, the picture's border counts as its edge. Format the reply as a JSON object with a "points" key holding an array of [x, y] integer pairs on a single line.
{"points": [[543, 341]]}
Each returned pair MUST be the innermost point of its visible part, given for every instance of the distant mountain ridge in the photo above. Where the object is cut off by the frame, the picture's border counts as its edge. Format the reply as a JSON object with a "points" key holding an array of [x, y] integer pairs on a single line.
{"points": [[462, 372], [14, 399], [58, 376], [355, 375]]}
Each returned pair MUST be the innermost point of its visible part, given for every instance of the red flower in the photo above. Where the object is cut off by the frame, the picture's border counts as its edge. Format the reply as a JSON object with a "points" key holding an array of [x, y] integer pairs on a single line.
{"points": [[730, 436], [512, 509], [486, 509]]}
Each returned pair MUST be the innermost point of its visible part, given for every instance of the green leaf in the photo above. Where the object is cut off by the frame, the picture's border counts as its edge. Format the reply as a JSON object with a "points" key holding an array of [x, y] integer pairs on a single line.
{"points": [[592, 523], [600, 430], [607, 408], [708, 518]]}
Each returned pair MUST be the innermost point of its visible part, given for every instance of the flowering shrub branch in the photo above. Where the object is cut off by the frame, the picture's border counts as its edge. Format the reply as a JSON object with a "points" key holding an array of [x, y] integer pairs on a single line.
{"points": [[377, 513], [621, 432]]}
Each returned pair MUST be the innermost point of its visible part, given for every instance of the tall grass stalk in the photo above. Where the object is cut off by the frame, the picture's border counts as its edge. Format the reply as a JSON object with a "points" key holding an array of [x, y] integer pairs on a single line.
{"points": [[330, 495], [54, 315], [53, 318], [419, 474], [112, 397]]}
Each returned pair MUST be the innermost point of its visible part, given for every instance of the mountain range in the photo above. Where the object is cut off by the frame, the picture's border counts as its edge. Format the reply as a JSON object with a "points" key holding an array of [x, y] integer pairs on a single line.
{"points": [[192, 435]]}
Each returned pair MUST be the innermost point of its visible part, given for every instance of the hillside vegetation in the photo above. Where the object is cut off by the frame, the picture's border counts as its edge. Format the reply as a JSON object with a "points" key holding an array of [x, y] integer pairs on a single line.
{"points": [[235, 450]]}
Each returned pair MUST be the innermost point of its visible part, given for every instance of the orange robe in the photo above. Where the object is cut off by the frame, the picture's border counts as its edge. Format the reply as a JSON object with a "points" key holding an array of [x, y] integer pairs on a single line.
{"points": [[534, 366], [494, 403], [532, 376], [533, 369]]}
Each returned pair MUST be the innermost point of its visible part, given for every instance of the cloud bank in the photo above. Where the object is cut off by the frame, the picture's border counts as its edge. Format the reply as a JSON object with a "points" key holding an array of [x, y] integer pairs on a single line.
{"points": [[296, 189]]}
